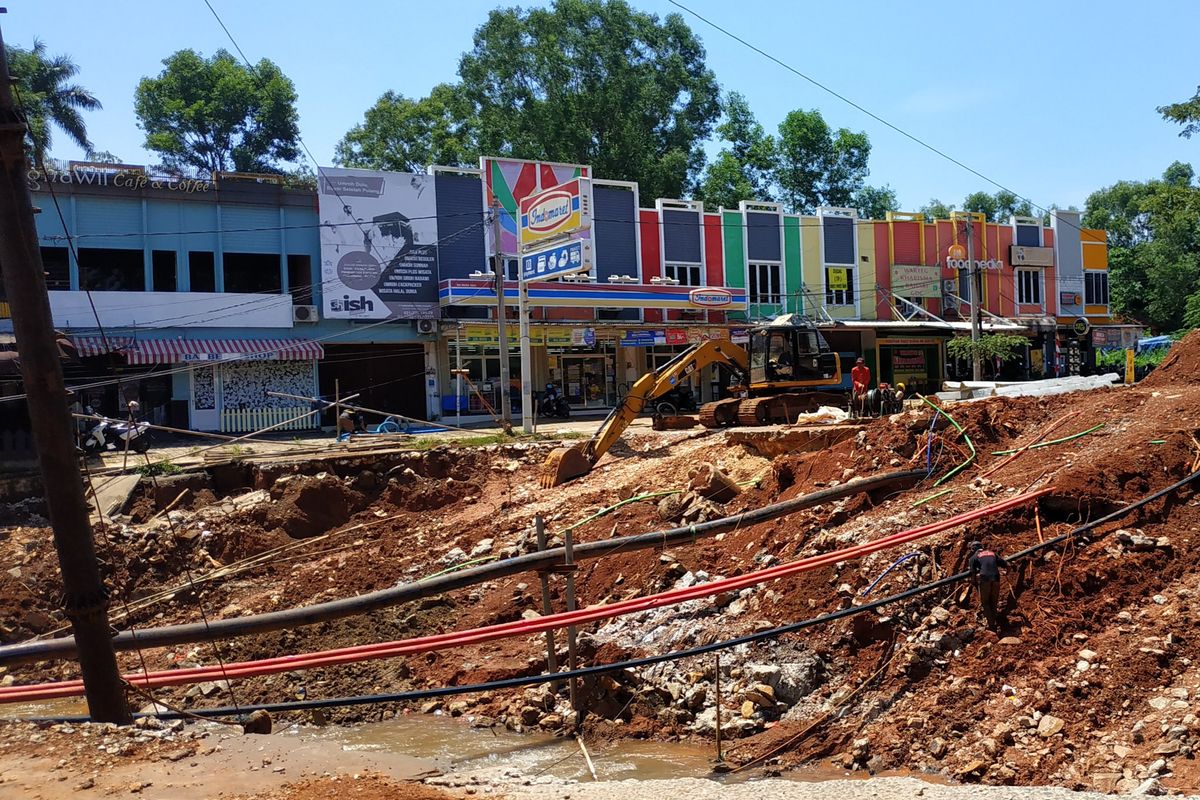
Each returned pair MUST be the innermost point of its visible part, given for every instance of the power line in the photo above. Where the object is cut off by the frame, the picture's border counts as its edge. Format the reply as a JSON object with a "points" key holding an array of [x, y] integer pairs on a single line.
{"points": [[851, 103]]}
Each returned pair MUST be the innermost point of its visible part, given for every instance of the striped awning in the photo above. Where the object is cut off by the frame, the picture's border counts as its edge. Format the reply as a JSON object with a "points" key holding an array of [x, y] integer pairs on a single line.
{"points": [[170, 351]]}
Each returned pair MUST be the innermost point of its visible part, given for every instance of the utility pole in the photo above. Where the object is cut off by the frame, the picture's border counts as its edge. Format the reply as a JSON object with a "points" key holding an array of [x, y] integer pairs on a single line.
{"points": [[501, 316], [85, 600], [976, 275]]}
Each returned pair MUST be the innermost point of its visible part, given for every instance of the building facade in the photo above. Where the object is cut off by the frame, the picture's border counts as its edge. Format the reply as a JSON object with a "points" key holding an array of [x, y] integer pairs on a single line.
{"points": [[222, 303]]}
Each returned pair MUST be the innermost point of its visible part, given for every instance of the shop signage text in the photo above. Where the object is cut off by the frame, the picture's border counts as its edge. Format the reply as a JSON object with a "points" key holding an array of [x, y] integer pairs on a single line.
{"points": [[1032, 256], [565, 259], [962, 263], [36, 179], [710, 298], [916, 280], [839, 279], [192, 358], [558, 211]]}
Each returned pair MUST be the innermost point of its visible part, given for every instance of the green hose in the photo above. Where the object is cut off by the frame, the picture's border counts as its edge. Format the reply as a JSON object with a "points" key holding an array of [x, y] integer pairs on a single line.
{"points": [[648, 496], [933, 496], [959, 428], [1052, 441]]}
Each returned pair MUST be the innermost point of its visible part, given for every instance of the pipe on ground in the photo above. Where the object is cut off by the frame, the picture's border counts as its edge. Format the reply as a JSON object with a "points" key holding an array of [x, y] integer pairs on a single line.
{"points": [[64, 648], [523, 627], [774, 633]]}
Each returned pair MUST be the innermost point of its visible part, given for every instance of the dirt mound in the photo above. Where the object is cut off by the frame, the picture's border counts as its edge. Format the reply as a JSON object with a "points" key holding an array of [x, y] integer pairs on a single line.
{"points": [[309, 505], [1180, 367]]}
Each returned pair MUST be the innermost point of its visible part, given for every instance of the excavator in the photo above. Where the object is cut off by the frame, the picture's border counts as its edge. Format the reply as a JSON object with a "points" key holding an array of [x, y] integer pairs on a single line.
{"points": [[775, 379]]}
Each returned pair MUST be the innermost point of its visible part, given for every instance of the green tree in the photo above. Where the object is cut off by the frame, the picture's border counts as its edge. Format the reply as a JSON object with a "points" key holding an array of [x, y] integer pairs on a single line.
{"points": [[1154, 246], [742, 170], [935, 209], [817, 166], [993, 345], [1186, 114], [217, 114], [593, 82], [873, 202], [48, 96], [405, 135]]}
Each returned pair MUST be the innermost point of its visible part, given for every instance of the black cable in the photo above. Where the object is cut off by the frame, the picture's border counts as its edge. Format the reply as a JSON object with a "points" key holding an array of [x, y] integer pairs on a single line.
{"points": [[773, 633]]}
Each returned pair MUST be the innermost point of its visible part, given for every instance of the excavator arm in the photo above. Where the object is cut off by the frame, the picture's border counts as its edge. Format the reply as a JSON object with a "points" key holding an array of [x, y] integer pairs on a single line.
{"points": [[568, 463]]}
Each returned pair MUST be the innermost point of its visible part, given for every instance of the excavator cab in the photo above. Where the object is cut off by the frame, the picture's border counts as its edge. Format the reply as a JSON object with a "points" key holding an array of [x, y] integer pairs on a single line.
{"points": [[789, 356]]}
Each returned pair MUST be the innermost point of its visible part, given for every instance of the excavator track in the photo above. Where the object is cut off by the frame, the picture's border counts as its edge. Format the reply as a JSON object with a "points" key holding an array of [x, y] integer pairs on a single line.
{"points": [[720, 413], [777, 409]]}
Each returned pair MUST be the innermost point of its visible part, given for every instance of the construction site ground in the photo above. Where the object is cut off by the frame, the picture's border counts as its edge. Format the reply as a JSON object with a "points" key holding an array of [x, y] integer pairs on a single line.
{"points": [[1090, 683]]}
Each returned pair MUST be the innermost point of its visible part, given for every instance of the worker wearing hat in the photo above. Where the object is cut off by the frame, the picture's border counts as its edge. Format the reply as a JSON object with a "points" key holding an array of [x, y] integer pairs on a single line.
{"points": [[985, 566]]}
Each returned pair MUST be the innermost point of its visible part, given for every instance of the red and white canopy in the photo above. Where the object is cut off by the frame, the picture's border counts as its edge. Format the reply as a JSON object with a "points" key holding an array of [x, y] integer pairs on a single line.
{"points": [[169, 351]]}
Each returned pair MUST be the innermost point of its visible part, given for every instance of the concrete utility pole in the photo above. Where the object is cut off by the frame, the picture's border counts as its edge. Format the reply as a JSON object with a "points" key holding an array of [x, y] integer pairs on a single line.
{"points": [[501, 316], [85, 599], [975, 274]]}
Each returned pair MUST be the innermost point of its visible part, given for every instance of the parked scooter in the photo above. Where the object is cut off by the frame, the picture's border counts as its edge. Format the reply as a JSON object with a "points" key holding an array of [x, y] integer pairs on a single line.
{"points": [[115, 434], [679, 400], [553, 404]]}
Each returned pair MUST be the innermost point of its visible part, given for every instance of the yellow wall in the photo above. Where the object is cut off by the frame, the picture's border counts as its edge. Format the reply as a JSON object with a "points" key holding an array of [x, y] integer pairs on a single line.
{"points": [[868, 298], [1095, 249], [811, 267]]}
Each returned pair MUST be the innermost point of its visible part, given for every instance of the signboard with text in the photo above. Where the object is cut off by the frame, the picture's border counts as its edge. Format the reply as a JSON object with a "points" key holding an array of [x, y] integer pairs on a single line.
{"points": [[917, 280], [554, 212], [554, 262], [379, 245]]}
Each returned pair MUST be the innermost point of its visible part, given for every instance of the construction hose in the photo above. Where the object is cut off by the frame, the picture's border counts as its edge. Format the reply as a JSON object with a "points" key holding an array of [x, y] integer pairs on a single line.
{"points": [[773, 633], [64, 648], [520, 627], [1073, 436], [959, 428]]}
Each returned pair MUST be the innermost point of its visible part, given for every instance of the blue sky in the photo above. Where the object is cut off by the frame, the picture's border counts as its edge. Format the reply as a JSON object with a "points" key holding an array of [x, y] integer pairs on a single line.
{"points": [[1051, 99]]}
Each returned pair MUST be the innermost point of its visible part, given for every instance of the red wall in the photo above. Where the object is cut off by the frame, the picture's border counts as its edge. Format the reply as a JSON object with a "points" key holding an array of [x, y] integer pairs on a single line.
{"points": [[651, 255]]}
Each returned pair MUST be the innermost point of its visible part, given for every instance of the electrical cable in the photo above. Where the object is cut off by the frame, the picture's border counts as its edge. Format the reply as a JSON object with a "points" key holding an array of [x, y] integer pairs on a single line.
{"points": [[773, 633], [524, 627]]}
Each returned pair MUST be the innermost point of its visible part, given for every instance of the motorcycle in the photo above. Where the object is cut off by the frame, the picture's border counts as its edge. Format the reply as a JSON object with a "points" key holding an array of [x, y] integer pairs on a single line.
{"points": [[115, 434], [553, 404], [679, 400]]}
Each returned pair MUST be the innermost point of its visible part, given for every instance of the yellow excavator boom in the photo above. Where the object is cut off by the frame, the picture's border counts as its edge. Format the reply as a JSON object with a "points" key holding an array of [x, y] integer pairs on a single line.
{"points": [[568, 463]]}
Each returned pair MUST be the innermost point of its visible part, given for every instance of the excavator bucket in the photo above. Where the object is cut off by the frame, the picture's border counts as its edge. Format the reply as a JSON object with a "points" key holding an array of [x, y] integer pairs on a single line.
{"points": [[564, 464]]}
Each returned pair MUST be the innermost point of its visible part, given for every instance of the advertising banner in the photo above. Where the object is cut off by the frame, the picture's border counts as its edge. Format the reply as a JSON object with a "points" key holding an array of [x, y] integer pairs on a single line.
{"points": [[554, 212], [637, 338], [508, 181], [839, 279], [917, 280], [379, 254], [554, 262], [539, 336]]}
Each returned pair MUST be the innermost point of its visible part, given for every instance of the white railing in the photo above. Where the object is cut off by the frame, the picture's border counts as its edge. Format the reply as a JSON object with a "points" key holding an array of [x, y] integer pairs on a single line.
{"points": [[243, 420]]}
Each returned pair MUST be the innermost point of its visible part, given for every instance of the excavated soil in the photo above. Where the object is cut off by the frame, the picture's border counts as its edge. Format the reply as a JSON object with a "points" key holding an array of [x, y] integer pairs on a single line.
{"points": [[1090, 683]]}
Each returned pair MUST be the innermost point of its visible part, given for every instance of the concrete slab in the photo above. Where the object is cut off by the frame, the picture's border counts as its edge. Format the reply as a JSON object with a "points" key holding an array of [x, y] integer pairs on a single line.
{"points": [[112, 493]]}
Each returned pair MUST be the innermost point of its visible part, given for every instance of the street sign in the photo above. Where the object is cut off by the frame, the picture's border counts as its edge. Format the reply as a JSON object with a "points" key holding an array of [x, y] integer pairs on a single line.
{"points": [[555, 212], [554, 262]]}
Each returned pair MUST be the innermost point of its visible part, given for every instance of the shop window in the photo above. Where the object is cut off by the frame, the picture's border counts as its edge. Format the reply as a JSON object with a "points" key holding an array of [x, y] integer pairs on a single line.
{"points": [[300, 278], [1029, 287], [252, 273], [202, 271], [56, 262], [686, 274], [111, 270], [765, 284], [1095, 288], [839, 286], [163, 262]]}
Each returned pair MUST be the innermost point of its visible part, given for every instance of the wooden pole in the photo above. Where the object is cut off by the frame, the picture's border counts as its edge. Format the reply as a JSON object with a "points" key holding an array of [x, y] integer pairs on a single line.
{"points": [[717, 691], [85, 600], [569, 547], [539, 527]]}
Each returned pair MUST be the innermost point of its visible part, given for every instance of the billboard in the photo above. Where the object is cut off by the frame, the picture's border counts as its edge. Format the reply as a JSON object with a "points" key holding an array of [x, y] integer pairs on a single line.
{"points": [[508, 181], [379, 235], [554, 213]]}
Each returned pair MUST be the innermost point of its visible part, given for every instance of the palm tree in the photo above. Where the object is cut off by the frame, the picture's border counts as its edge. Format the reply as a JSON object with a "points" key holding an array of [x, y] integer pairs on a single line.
{"points": [[45, 91]]}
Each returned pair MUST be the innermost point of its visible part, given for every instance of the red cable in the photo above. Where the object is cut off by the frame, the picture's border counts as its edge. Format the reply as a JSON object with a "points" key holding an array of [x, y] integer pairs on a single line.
{"points": [[510, 629]]}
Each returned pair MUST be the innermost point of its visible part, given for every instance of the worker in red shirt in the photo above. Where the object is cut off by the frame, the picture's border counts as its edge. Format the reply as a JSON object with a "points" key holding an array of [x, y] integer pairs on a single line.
{"points": [[860, 381]]}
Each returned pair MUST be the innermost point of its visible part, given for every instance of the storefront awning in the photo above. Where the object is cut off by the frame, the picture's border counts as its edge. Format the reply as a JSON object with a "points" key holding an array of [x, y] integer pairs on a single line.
{"points": [[169, 351]]}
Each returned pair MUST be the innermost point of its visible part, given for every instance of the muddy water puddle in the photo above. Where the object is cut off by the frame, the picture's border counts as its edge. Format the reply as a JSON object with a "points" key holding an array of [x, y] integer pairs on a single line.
{"points": [[457, 747]]}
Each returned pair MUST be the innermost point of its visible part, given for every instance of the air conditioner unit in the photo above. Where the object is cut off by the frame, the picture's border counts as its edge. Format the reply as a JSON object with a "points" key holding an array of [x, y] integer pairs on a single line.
{"points": [[950, 285], [304, 314], [426, 326], [949, 306]]}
